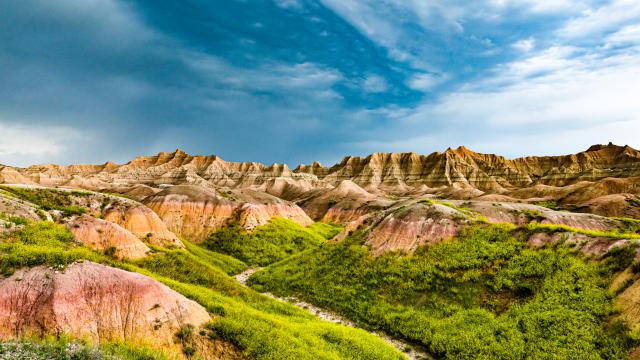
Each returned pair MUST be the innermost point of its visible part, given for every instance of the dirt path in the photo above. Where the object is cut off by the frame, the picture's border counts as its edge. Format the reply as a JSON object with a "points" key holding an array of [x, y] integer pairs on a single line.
{"points": [[410, 351]]}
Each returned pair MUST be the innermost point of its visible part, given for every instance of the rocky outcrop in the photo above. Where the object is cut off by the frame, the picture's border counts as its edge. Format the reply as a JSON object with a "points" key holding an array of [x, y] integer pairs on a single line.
{"points": [[486, 172], [104, 235], [87, 300], [521, 214], [590, 246], [343, 204], [410, 225], [144, 223], [194, 212]]}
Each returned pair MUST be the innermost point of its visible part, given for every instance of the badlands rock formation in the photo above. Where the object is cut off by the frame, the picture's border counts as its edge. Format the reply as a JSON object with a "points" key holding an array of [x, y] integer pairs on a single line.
{"points": [[87, 300], [194, 212], [456, 169], [103, 235], [410, 225], [196, 195], [144, 223]]}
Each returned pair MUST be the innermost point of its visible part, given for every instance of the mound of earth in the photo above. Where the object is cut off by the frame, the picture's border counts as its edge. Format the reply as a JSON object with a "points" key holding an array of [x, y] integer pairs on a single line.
{"points": [[194, 212], [409, 225], [343, 204], [144, 223], [88, 300], [104, 235]]}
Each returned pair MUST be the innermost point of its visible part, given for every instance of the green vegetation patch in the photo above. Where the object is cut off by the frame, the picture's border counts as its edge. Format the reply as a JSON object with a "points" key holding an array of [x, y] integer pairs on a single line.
{"points": [[226, 263], [629, 225], [16, 220], [41, 243], [327, 231], [49, 199], [267, 244], [633, 202], [549, 204], [483, 295]]}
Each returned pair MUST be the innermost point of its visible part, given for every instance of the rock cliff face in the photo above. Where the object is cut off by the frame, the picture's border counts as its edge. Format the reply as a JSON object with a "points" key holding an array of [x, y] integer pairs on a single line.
{"points": [[93, 301], [194, 212], [486, 172], [460, 168]]}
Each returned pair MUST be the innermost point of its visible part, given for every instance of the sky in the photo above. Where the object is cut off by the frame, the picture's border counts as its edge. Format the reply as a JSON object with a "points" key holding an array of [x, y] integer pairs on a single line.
{"points": [[293, 81]]}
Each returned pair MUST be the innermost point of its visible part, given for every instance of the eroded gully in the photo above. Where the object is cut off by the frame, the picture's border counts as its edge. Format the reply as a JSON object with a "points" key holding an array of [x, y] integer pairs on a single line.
{"points": [[409, 350]]}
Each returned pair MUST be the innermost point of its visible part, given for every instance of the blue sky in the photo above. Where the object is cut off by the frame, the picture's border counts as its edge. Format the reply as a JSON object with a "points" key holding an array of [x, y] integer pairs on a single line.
{"points": [[300, 80]]}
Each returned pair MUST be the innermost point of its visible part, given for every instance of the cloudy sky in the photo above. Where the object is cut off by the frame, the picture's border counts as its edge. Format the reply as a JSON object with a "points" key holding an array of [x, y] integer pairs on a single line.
{"points": [[300, 80]]}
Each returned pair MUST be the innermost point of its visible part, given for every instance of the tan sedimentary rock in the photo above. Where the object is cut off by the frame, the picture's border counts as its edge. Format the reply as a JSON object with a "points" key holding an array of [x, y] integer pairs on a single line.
{"points": [[343, 204], [391, 172], [101, 235], [455, 173], [144, 223], [194, 212], [93, 301]]}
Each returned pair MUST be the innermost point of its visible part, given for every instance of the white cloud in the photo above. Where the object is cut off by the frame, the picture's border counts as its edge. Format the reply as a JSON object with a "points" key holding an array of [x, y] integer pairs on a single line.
{"points": [[374, 84], [20, 144], [525, 45], [556, 100], [603, 19], [627, 35], [553, 58], [288, 4], [543, 6], [426, 82]]}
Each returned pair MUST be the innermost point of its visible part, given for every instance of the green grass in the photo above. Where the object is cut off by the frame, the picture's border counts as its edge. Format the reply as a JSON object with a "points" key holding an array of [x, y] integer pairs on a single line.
{"points": [[49, 199], [533, 215], [629, 225], [552, 229], [15, 220], [483, 295], [42, 243], [267, 244], [226, 263], [261, 327], [327, 231], [477, 217]]}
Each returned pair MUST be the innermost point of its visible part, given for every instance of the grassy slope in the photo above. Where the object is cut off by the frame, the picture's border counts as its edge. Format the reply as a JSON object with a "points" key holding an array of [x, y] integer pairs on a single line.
{"points": [[484, 295], [262, 327], [48, 199], [270, 243]]}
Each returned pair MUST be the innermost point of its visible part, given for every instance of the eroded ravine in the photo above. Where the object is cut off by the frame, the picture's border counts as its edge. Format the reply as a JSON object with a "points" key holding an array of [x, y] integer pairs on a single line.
{"points": [[409, 350]]}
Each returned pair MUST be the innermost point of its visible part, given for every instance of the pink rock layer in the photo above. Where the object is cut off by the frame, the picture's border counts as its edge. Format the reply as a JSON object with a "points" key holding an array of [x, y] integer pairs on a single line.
{"points": [[101, 235], [93, 301]]}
